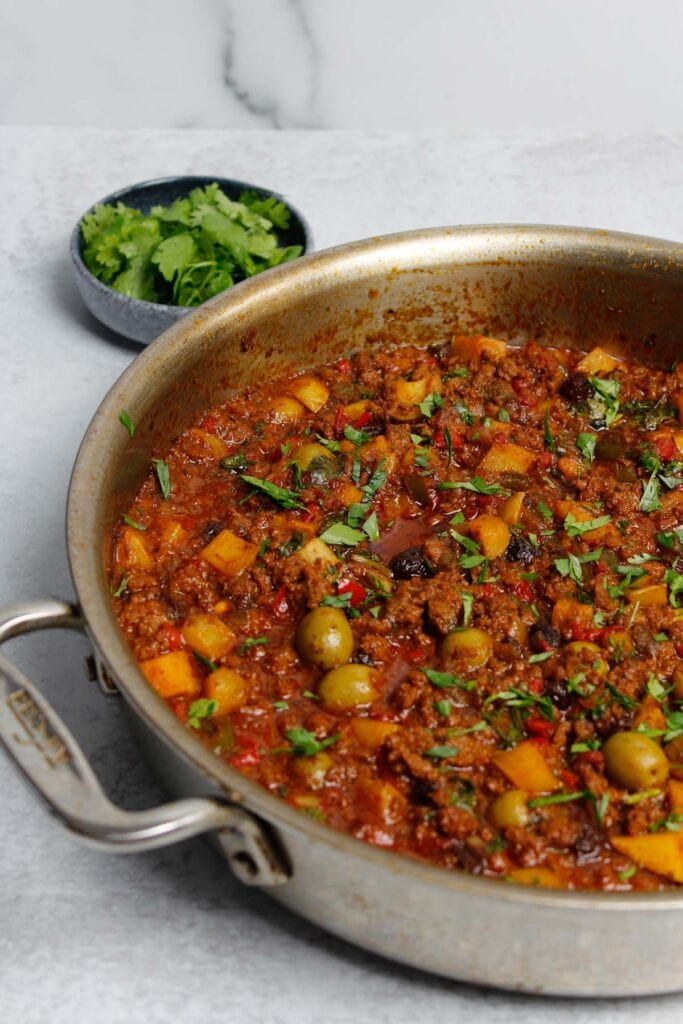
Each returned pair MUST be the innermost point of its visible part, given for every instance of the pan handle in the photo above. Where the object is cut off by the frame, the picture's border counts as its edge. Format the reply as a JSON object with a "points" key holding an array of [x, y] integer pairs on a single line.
{"points": [[38, 742]]}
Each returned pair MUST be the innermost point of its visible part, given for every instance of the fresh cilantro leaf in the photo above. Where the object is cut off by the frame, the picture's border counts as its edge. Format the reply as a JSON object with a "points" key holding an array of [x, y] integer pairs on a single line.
{"points": [[503, 416], [476, 484], [571, 565], [127, 422], [449, 445], [459, 371], [548, 438], [377, 480], [556, 798], [252, 641], [339, 533], [463, 412], [356, 436], [443, 707], [575, 528], [430, 404], [649, 501], [441, 752], [542, 656], [674, 581], [586, 444], [198, 710], [544, 510], [132, 522], [371, 527], [235, 463], [305, 744], [446, 679], [163, 476], [123, 583], [467, 604], [668, 540], [207, 663], [280, 495], [333, 446], [606, 403]]}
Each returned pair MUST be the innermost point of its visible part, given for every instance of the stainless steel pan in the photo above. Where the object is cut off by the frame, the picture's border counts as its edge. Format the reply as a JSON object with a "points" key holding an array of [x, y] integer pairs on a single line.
{"points": [[570, 285]]}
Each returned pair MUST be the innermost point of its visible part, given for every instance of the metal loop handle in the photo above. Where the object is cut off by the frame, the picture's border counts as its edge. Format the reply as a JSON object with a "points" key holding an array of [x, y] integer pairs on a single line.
{"points": [[37, 740]]}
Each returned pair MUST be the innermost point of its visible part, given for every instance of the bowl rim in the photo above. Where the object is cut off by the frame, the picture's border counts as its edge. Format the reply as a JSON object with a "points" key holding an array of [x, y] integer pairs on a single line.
{"points": [[397, 251], [194, 181]]}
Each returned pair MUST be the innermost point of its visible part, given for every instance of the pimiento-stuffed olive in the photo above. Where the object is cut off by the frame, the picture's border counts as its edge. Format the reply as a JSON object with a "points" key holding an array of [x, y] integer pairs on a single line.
{"points": [[324, 638], [348, 686], [634, 761]]}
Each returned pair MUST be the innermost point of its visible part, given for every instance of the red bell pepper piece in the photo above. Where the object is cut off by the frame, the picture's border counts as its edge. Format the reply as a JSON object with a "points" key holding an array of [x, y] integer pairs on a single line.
{"points": [[280, 605], [356, 590]]}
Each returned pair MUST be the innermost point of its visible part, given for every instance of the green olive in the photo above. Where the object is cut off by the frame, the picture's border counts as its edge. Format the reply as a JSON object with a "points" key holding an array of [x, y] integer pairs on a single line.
{"points": [[346, 687], [510, 809], [324, 638], [634, 761], [305, 454], [472, 648]]}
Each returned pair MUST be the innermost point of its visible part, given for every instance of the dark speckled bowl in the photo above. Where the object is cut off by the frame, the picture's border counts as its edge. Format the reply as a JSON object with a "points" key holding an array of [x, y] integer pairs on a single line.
{"points": [[135, 318]]}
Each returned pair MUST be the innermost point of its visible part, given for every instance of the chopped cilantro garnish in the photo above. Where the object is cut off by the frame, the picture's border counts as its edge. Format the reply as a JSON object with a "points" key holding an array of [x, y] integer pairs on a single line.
{"points": [[586, 445], [476, 484], [134, 523], [575, 528], [127, 422], [440, 752], [163, 477], [445, 679], [305, 744], [339, 533], [200, 709], [430, 404], [280, 495]]}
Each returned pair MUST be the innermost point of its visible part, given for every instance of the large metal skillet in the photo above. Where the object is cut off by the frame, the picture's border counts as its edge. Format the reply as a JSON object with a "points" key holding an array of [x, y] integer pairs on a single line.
{"points": [[572, 286]]}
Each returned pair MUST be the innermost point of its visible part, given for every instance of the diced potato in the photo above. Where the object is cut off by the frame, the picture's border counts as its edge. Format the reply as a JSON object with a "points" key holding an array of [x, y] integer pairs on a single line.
{"points": [[221, 607], [507, 458], [568, 613], [544, 878], [579, 651], [618, 642], [210, 442], [208, 635], [306, 801], [227, 688], [382, 799], [404, 396], [570, 468], [370, 733], [310, 391], [356, 409], [649, 714], [312, 770], [172, 675], [229, 553], [316, 551], [511, 510], [173, 534], [376, 450], [651, 595], [661, 852], [289, 521], [491, 534], [132, 551], [476, 346], [284, 409], [676, 796], [597, 361], [349, 494], [526, 768], [678, 441]]}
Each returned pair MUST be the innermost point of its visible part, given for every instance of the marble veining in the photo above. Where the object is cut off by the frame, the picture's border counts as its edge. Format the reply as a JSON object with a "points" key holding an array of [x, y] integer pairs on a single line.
{"points": [[400, 64], [279, 92]]}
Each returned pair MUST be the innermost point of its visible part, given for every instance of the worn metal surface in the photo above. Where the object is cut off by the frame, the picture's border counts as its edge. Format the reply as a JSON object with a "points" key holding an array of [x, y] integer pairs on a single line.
{"points": [[564, 285]]}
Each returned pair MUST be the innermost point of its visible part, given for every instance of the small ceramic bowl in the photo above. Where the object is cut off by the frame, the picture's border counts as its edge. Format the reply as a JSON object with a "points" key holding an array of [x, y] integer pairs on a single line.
{"points": [[138, 319]]}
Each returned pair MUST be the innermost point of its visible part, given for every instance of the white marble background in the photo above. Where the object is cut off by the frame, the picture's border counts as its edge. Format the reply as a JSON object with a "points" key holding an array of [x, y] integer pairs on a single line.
{"points": [[460, 65]]}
